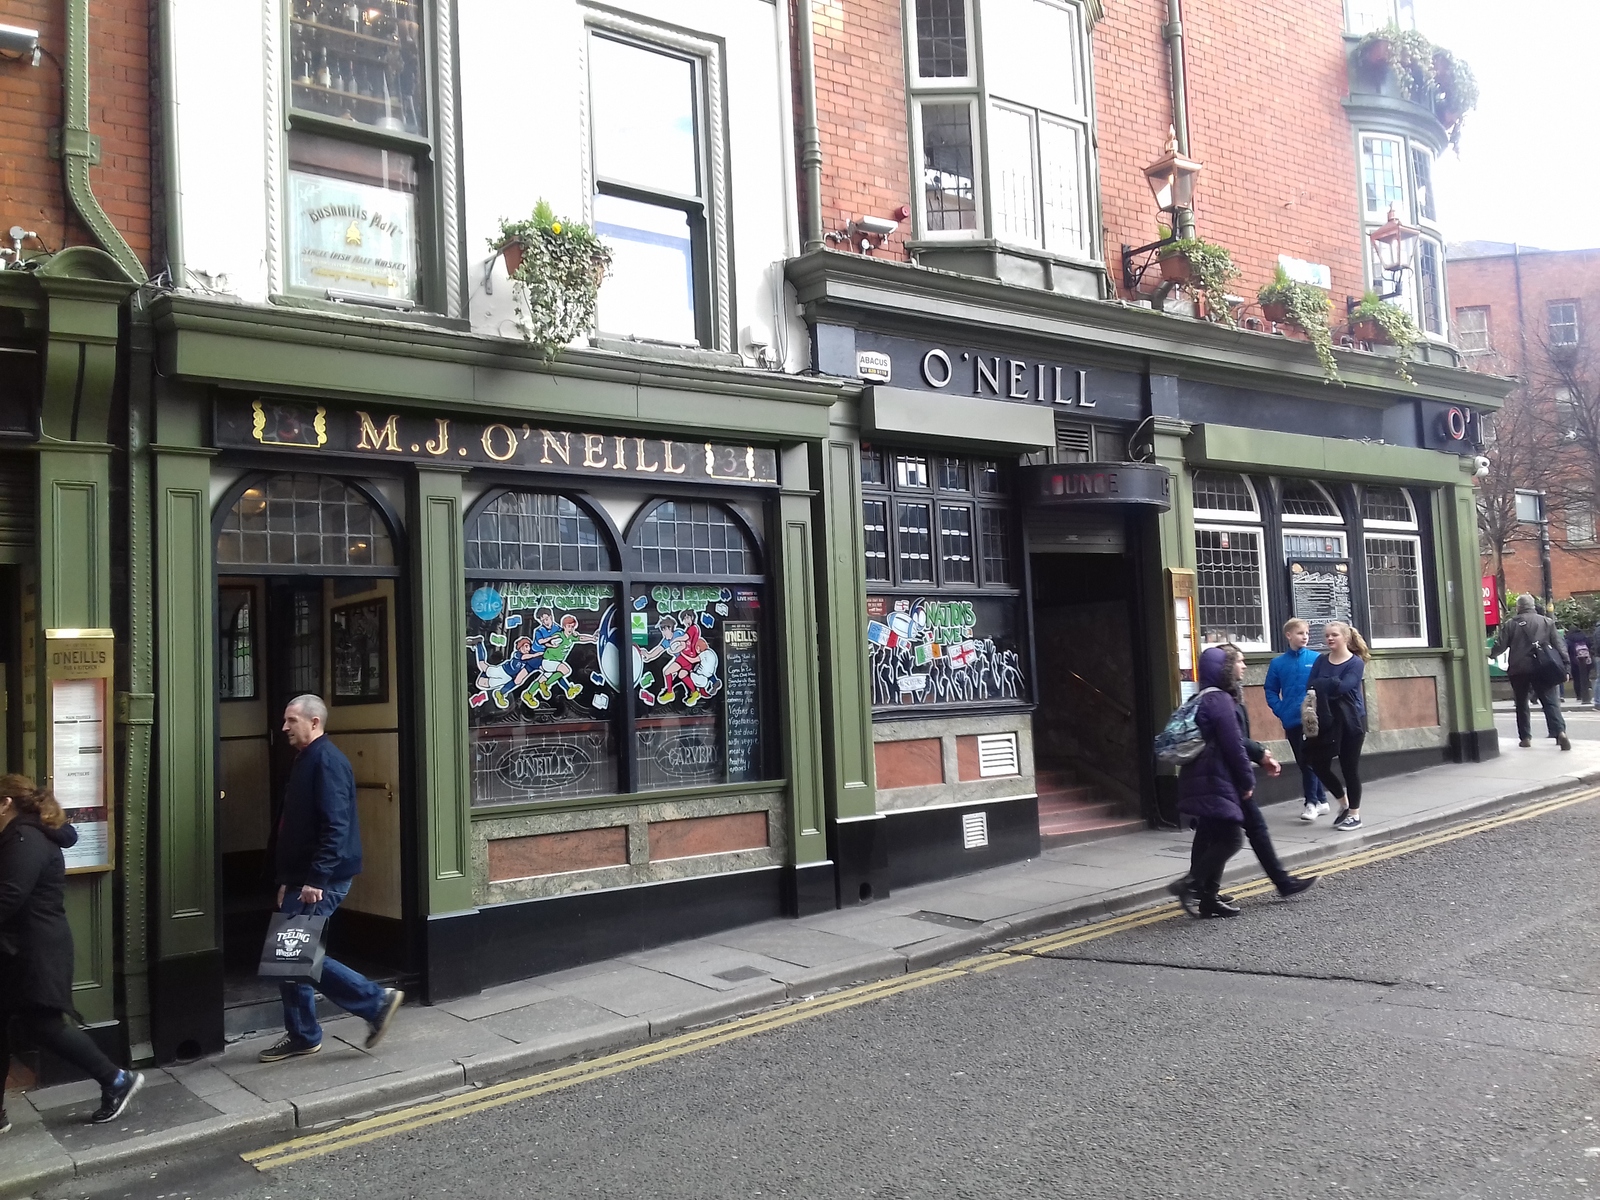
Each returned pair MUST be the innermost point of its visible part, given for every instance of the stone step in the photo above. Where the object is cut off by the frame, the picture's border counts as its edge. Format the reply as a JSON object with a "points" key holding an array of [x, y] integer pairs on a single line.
{"points": [[1054, 779], [1071, 831], [1069, 797]]}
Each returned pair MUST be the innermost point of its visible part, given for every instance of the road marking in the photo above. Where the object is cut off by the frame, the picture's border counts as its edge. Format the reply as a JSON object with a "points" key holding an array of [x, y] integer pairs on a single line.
{"points": [[434, 1112]]}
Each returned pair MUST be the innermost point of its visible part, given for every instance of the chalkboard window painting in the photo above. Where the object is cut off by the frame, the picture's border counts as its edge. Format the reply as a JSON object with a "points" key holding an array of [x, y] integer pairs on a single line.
{"points": [[741, 672], [360, 636]]}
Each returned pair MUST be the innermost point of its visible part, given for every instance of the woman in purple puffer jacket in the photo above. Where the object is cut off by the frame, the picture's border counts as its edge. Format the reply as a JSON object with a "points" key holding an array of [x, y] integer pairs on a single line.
{"points": [[1211, 787]]}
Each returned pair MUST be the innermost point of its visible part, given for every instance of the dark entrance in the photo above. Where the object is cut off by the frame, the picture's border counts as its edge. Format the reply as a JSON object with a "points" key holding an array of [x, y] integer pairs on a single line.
{"points": [[307, 602]]}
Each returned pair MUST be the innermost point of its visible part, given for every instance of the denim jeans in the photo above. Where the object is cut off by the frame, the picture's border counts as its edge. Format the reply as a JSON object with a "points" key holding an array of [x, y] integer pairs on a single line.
{"points": [[354, 993], [1310, 785]]}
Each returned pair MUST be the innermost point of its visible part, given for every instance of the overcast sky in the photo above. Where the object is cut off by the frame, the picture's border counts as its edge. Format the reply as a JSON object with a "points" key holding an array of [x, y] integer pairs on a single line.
{"points": [[1514, 181]]}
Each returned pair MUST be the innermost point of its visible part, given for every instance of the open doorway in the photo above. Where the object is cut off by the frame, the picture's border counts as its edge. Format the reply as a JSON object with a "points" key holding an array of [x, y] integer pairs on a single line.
{"points": [[285, 631], [1085, 729]]}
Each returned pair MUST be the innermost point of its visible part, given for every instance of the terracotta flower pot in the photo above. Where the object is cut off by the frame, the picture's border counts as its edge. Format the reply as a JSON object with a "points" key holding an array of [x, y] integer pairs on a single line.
{"points": [[1175, 268], [1378, 56], [1278, 314], [513, 252], [1369, 330]]}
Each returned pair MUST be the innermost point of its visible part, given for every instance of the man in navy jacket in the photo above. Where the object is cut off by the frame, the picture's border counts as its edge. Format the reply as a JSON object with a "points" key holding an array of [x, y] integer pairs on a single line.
{"points": [[1286, 689], [318, 855]]}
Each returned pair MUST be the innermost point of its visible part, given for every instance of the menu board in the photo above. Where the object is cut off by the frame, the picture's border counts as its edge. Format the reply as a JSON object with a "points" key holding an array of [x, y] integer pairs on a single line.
{"points": [[78, 668], [741, 675], [1320, 591]]}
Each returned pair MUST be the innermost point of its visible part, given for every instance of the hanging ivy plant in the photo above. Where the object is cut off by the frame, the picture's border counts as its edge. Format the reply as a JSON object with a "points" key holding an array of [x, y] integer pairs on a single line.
{"points": [[1455, 92], [1211, 271], [1306, 307], [556, 270], [1426, 74], [1396, 326]]}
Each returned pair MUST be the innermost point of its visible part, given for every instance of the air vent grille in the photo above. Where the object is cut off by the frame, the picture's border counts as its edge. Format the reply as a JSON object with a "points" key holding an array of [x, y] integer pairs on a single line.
{"points": [[975, 831], [997, 755]]}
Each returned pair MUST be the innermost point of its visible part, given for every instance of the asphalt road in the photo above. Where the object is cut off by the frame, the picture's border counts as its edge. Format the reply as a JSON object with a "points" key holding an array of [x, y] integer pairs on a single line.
{"points": [[1427, 1026]]}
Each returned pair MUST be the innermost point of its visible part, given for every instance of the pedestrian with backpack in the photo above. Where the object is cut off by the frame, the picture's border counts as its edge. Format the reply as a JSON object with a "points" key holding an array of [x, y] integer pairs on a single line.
{"points": [[1286, 693], [1536, 663], [1213, 783], [1580, 653]]}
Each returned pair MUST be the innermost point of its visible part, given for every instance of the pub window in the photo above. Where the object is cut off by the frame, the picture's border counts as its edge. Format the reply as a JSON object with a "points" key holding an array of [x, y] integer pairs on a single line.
{"points": [[697, 636], [1395, 588], [1306, 502], [236, 666], [653, 192], [546, 635], [1230, 566], [360, 150], [304, 521], [938, 531]]}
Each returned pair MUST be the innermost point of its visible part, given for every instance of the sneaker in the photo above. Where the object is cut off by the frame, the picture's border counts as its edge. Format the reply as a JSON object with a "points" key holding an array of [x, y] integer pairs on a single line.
{"points": [[5, 1122], [1343, 813], [1563, 741], [1349, 821], [114, 1099], [1322, 808], [393, 998], [287, 1047], [1309, 813]]}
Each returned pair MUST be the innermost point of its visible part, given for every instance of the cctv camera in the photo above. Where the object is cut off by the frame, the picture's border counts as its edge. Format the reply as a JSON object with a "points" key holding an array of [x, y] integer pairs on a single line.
{"points": [[15, 41], [875, 226], [1480, 467]]}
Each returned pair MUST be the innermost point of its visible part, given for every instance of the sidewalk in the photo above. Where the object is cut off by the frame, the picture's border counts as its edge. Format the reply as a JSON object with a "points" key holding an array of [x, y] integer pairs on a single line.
{"points": [[518, 1028]]}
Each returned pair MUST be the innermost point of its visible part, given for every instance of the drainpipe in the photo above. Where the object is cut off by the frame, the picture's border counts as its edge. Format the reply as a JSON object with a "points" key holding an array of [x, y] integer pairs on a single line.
{"points": [[1173, 31], [171, 180], [80, 149], [810, 135]]}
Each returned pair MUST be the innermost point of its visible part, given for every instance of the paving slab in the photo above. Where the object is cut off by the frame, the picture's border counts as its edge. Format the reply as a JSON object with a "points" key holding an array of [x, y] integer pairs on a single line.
{"points": [[160, 1104], [797, 944], [627, 990], [710, 964], [498, 1000]]}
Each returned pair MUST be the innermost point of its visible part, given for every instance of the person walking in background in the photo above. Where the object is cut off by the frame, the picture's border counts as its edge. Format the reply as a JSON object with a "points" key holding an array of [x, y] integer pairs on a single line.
{"points": [[1336, 677], [36, 954], [1594, 647], [1580, 653], [1520, 640], [318, 855], [1286, 691], [1211, 787]]}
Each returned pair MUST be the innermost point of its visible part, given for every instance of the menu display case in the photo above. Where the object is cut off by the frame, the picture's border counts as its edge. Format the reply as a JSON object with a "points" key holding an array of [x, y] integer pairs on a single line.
{"points": [[359, 62]]}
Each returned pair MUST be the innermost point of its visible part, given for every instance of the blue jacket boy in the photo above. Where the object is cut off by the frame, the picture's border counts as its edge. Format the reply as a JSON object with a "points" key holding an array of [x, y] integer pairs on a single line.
{"points": [[1286, 684]]}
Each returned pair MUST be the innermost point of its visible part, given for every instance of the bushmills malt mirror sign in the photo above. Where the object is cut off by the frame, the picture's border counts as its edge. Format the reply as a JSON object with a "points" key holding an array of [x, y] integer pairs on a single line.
{"points": [[351, 237], [511, 443]]}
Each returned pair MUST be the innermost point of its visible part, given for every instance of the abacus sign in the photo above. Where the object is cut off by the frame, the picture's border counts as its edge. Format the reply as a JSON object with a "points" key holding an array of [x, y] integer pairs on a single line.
{"points": [[512, 443]]}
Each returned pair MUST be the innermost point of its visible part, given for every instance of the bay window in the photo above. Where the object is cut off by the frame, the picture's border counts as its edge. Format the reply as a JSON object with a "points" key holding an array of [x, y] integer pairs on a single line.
{"points": [[1364, 16], [1397, 175], [1002, 136]]}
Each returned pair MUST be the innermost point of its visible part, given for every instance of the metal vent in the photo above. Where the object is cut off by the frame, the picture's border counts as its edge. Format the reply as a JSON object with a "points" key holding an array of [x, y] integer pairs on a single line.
{"points": [[997, 755], [19, 503], [1074, 443], [975, 831]]}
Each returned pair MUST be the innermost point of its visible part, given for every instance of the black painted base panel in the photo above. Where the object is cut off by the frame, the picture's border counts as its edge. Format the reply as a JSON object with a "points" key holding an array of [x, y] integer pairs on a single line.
{"points": [[507, 942], [860, 851], [927, 844], [186, 998], [810, 888]]}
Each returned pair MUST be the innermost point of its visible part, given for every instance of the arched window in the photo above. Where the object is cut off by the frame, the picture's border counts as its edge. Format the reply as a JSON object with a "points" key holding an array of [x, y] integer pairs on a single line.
{"points": [[1305, 500], [304, 521], [1395, 587], [1230, 567], [545, 642], [699, 635], [1317, 553]]}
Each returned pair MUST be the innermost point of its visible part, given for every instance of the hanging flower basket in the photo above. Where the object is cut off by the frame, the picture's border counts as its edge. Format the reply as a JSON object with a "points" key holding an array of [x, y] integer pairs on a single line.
{"points": [[1377, 54], [1301, 306], [556, 269], [1370, 331], [1278, 314], [1379, 323], [1176, 268]]}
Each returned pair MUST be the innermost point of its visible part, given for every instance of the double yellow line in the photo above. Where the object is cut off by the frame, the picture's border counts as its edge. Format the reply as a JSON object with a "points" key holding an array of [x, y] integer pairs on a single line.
{"points": [[434, 1112]]}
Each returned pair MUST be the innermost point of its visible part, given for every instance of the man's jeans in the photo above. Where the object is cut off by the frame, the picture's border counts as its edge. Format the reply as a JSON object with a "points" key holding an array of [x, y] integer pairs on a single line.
{"points": [[356, 994], [1549, 700], [1310, 785]]}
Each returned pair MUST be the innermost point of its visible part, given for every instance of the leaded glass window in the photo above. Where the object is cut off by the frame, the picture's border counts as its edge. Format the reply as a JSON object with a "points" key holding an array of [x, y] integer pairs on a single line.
{"points": [[942, 39], [692, 537], [1217, 492], [1388, 504], [535, 531], [1308, 501], [1394, 585], [304, 521], [1231, 586], [236, 665]]}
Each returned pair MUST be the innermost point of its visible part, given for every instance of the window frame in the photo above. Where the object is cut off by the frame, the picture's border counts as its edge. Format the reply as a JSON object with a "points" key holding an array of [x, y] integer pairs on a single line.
{"points": [[714, 296], [1407, 526], [1228, 516], [1384, 531], [936, 498], [225, 636], [1288, 518], [979, 174], [1411, 297], [437, 241], [1462, 332], [1583, 507], [1259, 531], [1400, 12], [1576, 323]]}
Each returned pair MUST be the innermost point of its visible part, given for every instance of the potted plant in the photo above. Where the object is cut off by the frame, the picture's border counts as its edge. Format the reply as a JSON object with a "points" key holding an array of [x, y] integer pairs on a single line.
{"points": [[1305, 307], [1205, 268], [1376, 51], [1455, 92], [1379, 322], [556, 268]]}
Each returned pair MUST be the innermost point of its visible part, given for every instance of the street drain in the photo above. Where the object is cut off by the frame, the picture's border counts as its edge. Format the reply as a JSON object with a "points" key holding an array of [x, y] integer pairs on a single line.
{"points": [[946, 919]]}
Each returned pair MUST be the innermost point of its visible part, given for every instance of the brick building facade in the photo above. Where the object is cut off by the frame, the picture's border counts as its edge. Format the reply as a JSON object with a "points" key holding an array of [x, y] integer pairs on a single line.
{"points": [[1527, 313]]}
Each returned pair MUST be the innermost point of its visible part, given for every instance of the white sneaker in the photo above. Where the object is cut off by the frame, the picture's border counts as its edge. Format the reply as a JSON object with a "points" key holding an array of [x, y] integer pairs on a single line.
{"points": [[1309, 813], [1323, 809]]}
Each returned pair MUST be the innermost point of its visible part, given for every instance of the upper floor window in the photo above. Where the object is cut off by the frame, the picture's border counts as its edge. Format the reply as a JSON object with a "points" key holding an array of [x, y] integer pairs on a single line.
{"points": [[1397, 176], [360, 151], [1363, 16], [647, 132], [1003, 135], [1562, 318], [1472, 330]]}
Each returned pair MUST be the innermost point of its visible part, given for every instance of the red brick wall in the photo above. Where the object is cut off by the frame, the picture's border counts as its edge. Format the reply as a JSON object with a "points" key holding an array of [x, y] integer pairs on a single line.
{"points": [[861, 112], [1518, 349], [119, 115], [1265, 85]]}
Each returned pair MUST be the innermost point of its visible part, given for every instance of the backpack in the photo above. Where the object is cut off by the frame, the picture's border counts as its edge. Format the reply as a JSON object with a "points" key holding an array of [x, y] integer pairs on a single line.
{"points": [[1181, 742]]}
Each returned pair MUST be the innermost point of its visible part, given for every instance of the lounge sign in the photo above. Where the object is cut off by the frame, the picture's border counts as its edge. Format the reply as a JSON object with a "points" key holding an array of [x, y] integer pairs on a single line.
{"points": [[1096, 484], [377, 433]]}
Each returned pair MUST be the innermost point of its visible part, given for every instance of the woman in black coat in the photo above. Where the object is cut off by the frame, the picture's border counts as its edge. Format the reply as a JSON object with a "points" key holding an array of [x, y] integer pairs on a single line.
{"points": [[36, 953]]}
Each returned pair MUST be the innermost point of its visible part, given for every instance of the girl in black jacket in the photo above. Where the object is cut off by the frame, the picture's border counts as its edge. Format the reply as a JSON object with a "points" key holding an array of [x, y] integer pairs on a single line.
{"points": [[36, 943]]}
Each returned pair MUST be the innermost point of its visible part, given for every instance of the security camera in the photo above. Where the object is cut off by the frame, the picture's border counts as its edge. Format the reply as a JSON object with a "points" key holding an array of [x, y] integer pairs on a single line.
{"points": [[880, 227], [1480, 467], [17, 42]]}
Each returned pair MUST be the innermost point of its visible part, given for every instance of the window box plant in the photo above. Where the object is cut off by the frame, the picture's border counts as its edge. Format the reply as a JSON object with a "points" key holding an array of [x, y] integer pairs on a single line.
{"points": [[1203, 267], [556, 269], [1304, 307], [1381, 323], [1455, 92]]}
